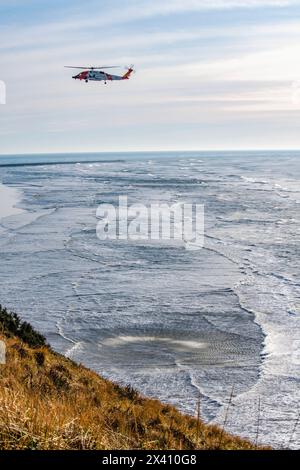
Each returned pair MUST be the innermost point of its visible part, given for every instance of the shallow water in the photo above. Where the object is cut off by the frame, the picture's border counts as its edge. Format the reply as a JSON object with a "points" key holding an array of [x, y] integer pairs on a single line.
{"points": [[9, 198], [170, 321]]}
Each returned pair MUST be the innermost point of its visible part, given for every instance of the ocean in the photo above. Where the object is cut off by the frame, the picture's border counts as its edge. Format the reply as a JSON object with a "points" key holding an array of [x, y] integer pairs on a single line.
{"points": [[220, 324]]}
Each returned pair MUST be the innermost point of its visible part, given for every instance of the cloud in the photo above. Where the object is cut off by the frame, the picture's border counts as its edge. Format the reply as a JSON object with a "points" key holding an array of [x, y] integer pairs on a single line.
{"points": [[134, 11]]}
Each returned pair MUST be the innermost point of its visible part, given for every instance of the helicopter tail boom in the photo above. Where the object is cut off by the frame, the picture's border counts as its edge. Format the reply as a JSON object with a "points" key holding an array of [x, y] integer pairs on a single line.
{"points": [[126, 76]]}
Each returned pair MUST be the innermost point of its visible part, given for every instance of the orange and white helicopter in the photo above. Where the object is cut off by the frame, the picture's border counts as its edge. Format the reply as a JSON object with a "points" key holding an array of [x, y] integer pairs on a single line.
{"points": [[96, 74]]}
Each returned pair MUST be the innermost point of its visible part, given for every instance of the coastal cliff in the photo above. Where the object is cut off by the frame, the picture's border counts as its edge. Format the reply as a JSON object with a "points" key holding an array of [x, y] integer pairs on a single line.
{"points": [[49, 402]]}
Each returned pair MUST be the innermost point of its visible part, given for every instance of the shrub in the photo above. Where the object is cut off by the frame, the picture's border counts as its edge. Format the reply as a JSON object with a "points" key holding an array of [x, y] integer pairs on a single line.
{"points": [[21, 351], [127, 392], [40, 358], [60, 377], [11, 325]]}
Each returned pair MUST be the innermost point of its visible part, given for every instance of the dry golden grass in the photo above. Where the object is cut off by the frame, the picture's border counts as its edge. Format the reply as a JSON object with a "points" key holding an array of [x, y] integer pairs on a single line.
{"points": [[49, 402]]}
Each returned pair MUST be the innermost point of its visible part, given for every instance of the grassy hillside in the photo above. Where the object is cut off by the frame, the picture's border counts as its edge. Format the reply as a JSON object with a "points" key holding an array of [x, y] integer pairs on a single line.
{"points": [[49, 402]]}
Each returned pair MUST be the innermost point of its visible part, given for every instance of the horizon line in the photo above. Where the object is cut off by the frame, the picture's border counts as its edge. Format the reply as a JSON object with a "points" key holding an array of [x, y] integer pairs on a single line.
{"points": [[94, 152]]}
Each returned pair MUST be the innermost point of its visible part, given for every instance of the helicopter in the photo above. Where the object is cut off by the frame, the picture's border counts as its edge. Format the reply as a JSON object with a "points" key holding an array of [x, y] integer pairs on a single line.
{"points": [[97, 74]]}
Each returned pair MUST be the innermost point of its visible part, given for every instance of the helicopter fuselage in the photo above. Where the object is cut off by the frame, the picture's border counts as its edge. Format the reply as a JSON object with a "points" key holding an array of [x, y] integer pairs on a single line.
{"points": [[99, 76]]}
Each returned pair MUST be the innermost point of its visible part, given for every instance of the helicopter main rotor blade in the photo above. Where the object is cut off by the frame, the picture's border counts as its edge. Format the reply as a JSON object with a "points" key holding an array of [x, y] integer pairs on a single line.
{"points": [[107, 67], [92, 68]]}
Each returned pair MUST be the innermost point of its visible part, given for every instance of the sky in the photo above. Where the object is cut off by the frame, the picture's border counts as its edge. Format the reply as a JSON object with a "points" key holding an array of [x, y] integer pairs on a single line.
{"points": [[210, 75]]}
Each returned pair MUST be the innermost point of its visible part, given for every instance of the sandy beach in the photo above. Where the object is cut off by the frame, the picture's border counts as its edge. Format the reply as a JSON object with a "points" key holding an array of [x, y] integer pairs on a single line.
{"points": [[9, 197]]}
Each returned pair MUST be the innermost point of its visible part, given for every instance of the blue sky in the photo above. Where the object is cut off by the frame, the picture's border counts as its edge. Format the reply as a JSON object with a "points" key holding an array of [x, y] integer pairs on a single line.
{"points": [[211, 74]]}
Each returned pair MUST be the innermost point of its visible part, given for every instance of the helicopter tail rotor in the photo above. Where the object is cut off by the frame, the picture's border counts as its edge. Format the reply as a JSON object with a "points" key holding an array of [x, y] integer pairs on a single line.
{"points": [[129, 71]]}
